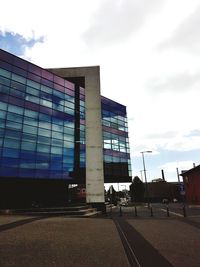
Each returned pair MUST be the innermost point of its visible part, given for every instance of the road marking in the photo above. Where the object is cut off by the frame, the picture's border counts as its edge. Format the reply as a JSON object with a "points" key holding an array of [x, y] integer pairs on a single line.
{"points": [[177, 214]]}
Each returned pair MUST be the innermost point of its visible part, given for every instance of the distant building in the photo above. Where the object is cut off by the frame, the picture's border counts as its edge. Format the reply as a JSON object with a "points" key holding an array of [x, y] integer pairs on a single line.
{"points": [[191, 180], [159, 190]]}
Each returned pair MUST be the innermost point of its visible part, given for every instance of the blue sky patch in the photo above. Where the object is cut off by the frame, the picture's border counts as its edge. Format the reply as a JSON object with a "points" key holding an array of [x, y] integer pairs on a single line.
{"points": [[16, 43]]}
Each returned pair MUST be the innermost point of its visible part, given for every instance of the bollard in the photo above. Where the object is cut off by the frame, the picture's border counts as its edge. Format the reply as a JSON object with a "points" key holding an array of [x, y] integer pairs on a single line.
{"points": [[151, 211], [135, 211], [184, 211], [167, 211], [120, 211]]}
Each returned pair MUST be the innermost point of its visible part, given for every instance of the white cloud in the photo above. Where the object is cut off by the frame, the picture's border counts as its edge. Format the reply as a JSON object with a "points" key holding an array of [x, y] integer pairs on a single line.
{"points": [[117, 20], [187, 35], [181, 165]]}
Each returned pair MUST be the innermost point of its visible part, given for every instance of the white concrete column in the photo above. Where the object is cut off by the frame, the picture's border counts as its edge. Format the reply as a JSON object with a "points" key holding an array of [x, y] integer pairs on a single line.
{"points": [[94, 149]]}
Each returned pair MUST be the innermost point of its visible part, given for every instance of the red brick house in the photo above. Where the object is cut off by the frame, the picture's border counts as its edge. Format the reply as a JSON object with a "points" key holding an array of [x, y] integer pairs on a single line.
{"points": [[191, 179]]}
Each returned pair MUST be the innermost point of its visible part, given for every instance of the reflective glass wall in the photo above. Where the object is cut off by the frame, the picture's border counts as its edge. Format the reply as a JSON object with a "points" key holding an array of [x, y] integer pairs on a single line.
{"points": [[117, 166], [36, 121], [42, 126]]}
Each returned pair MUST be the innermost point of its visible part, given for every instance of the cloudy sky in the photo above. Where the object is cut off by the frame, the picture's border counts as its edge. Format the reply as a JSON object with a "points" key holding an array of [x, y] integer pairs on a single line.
{"points": [[149, 54]]}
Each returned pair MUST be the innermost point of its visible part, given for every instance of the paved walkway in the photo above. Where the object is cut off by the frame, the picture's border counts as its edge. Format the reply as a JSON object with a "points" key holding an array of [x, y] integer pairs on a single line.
{"points": [[110, 241]]}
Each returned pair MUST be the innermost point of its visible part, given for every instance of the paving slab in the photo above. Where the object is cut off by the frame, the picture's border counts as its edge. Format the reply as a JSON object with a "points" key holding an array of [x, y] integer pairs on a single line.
{"points": [[176, 240], [60, 241]]}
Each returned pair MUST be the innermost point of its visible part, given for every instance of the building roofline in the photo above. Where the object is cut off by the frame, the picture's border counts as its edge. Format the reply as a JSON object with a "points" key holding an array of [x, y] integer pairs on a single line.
{"points": [[197, 168]]}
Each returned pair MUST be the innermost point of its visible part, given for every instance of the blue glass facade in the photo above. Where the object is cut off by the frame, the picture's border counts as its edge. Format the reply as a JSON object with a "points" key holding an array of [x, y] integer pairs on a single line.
{"points": [[42, 127]]}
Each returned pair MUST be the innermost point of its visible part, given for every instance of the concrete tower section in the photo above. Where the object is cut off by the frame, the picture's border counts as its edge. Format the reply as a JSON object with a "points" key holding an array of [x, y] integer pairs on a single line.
{"points": [[90, 77]]}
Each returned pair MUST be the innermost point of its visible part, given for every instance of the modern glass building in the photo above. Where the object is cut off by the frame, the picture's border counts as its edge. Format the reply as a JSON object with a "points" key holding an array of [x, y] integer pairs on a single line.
{"points": [[42, 135]]}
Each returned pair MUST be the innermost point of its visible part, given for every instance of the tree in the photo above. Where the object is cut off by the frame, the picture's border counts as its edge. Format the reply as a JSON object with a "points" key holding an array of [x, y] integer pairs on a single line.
{"points": [[112, 195], [137, 190]]}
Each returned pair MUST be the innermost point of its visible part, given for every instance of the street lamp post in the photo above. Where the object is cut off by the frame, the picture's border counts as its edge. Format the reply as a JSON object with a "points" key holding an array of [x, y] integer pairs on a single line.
{"points": [[145, 175]]}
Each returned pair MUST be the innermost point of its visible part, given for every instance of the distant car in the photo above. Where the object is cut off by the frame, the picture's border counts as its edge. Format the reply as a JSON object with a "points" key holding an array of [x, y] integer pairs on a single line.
{"points": [[165, 201], [123, 202]]}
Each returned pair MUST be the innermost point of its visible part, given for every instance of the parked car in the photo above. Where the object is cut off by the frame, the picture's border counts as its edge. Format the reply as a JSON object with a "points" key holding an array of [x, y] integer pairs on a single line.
{"points": [[123, 202]]}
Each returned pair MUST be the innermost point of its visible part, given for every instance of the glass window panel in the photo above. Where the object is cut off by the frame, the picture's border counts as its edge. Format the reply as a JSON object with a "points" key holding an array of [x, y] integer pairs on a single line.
{"points": [[43, 148], [46, 89], [42, 165], [17, 93], [44, 132], [121, 128], [107, 158], [12, 143], [106, 123], [30, 121], [45, 103], [29, 129], [33, 99], [2, 123], [57, 135], [56, 142], [69, 98], [4, 89], [69, 111], [32, 91], [2, 114], [58, 94], [11, 153], [45, 125], [123, 149], [5, 73], [69, 124], [67, 146], [2, 132], [68, 131], [44, 117], [15, 109], [69, 137], [57, 128], [19, 71], [57, 121], [13, 134], [56, 150], [13, 125], [27, 165], [28, 146], [14, 117], [60, 108], [107, 146], [28, 137], [27, 155], [18, 86], [116, 159], [82, 134], [4, 81], [33, 84], [43, 139], [46, 96], [10, 162], [3, 106], [31, 113], [18, 78]]}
